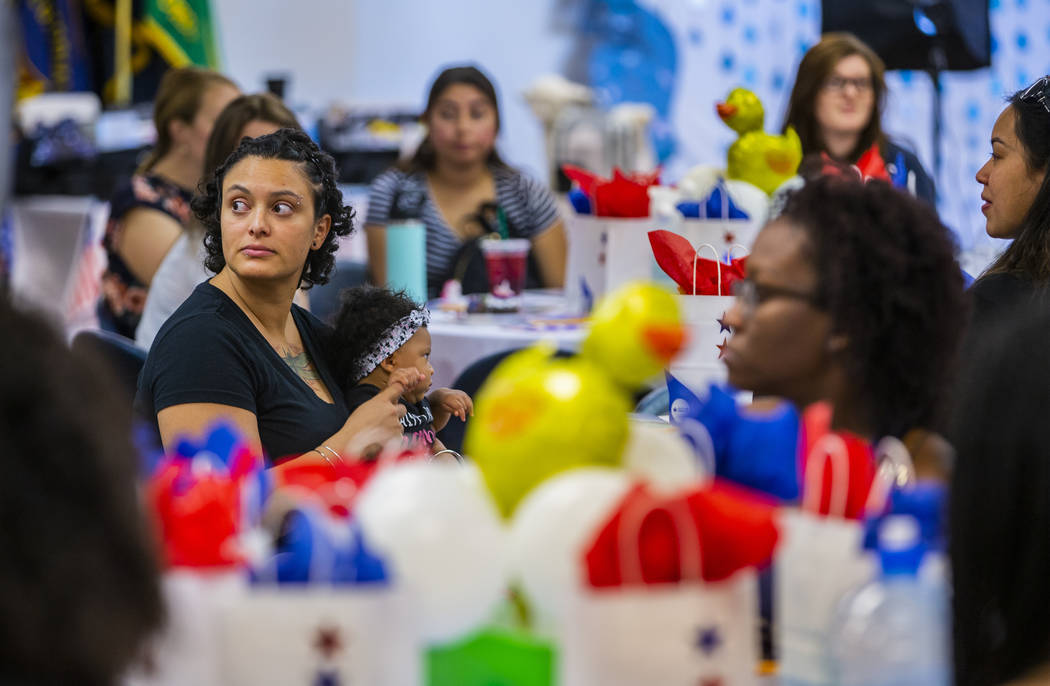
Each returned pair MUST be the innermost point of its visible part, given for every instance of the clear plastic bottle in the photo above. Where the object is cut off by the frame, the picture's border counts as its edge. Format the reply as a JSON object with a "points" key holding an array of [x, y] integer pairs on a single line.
{"points": [[894, 631]]}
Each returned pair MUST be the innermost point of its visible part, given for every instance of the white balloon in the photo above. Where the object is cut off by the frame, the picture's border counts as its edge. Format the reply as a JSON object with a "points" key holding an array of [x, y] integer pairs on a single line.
{"points": [[549, 533], [658, 455], [445, 541]]}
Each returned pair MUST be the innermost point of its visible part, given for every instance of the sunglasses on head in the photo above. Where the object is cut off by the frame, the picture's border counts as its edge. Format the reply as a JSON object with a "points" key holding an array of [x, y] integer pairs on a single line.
{"points": [[1038, 92]]}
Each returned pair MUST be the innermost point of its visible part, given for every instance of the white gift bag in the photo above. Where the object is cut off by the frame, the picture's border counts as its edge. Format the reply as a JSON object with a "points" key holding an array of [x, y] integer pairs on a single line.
{"points": [[700, 362], [820, 558], [722, 232], [606, 252], [686, 634], [288, 636], [187, 651]]}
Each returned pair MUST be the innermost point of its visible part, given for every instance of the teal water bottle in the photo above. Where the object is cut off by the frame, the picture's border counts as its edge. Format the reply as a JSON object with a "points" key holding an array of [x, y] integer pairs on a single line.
{"points": [[406, 245]]}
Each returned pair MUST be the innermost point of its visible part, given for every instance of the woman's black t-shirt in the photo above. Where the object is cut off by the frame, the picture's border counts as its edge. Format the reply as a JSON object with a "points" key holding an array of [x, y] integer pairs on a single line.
{"points": [[209, 352]]}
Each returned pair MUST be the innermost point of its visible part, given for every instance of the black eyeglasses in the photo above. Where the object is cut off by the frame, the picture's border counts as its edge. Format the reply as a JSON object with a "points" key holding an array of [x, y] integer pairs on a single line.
{"points": [[840, 83], [751, 294], [1038, 92]]}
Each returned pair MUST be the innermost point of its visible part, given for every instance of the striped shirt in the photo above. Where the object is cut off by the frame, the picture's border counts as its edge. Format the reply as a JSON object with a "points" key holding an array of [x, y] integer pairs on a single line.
{"points": [[529, 206]]}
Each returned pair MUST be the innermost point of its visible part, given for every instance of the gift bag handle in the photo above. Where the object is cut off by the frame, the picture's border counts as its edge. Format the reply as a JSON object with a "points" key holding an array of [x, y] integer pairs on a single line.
{"points": [[690, 563], [703, 446], [829, 446], [895, 469], [721, 185], [718, 265], [747, 251], [322, 557]]}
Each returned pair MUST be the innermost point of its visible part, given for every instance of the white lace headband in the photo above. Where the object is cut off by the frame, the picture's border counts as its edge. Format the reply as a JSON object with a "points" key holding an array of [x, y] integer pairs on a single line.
{"points": [[392, 339]]}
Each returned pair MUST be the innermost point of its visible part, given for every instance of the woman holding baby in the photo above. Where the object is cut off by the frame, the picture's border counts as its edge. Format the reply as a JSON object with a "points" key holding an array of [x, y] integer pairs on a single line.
{"points": [[238, 350]]}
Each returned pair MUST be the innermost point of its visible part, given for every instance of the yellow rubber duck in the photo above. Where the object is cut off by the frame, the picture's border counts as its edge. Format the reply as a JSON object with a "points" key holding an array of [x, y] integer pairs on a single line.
{"points": [[760, 158], [538, 415]]}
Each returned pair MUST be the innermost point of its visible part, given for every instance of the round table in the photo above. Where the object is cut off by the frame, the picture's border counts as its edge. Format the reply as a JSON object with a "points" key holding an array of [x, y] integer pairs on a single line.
{"points": [[459, 339]]}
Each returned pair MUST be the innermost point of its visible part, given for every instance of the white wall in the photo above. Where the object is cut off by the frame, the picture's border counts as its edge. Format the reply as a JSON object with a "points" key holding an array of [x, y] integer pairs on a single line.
{"points": [[388, 51], [309, 39]]}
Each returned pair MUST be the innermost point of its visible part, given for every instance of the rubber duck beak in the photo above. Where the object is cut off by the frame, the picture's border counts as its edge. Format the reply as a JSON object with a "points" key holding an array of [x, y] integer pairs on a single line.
{"points": [[725, 110], [664, 340]]}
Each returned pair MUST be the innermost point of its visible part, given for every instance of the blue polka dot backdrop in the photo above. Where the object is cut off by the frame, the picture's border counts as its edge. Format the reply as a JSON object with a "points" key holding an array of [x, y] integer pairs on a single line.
{"points": [[717, 45]]}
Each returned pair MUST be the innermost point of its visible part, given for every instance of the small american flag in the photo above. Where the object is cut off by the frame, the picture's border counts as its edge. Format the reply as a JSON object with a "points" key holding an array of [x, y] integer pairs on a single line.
{"points": [[90, 262]]}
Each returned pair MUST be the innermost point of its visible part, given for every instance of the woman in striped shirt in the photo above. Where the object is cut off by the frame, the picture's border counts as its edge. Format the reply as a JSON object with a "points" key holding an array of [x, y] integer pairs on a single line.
{"points": [[458, 170]]}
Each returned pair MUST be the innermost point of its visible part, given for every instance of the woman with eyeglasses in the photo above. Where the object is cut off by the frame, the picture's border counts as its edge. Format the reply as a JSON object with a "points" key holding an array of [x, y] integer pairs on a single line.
{"points": [[1016, 197], [853, 296], [836, 107]]}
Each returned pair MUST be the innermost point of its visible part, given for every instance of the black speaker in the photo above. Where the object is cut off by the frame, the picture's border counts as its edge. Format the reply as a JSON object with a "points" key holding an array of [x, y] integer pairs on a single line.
{"points": [[911, 34]]}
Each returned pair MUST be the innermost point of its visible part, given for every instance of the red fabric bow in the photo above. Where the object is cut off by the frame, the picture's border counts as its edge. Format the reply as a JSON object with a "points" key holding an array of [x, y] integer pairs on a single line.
{"points": [[734, 529], [675, 255], [624, 196]]}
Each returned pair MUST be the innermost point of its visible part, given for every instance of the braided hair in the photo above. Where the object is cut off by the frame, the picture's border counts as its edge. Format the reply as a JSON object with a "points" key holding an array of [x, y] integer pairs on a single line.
{"points": [[319, 169], [888, 278]]}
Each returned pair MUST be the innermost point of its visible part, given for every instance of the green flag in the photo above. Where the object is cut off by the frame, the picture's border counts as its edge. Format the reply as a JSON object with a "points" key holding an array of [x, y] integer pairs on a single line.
{"points": [[181, 31]]}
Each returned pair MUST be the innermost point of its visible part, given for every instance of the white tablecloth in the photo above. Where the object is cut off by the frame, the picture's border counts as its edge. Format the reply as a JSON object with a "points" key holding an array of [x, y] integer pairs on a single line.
{"points": [[459, 340]]}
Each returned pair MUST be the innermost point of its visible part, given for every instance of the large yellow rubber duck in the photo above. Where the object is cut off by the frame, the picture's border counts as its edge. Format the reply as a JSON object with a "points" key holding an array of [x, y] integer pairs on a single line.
{"points": [[538, 415], [760, 158]]}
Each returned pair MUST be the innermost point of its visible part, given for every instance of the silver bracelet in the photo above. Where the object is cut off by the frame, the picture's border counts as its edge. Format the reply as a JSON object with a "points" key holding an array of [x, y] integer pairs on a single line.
{"points": [[337, 456], [453, 453], [324, 457]]}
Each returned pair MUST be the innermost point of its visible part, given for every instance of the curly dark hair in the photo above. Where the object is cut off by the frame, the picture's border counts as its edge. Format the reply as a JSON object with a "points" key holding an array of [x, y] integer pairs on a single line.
{"points": [[79, 580], [888, 277], [320, 170], [366, 313]]}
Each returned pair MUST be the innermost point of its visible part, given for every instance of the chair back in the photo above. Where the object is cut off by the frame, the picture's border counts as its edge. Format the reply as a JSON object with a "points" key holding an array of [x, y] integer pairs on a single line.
{"points": [[123, 358], [325, 299]]}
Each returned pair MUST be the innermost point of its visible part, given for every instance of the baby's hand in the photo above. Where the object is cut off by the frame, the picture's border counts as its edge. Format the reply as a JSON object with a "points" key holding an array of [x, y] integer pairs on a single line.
{"points": [[452, 401], [407, 377]]}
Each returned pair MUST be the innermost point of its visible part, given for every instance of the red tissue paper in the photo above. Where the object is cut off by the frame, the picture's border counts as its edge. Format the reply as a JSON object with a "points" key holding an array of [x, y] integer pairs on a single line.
{"points": [[201, 504], [694, 275], [860, 465], [623, 196], [336, 486], [731, 528]]}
